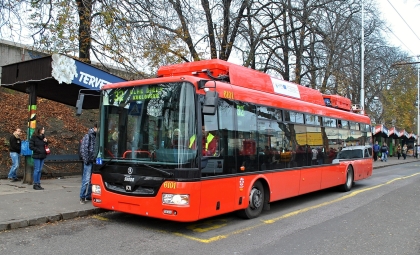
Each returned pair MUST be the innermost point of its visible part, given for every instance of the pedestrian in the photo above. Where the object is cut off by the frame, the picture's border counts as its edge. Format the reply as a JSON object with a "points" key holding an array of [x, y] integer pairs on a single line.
{"points": [[320, 156], [88, 157], [331, 155], [404, 151], [14, 149], [314, 156], [384, 152], [376, 148], [37, 145], [399, 151]]}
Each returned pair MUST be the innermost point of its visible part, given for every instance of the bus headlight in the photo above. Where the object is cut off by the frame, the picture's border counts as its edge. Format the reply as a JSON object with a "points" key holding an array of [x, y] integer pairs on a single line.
{"points": [[96, 189], [176, 199]]}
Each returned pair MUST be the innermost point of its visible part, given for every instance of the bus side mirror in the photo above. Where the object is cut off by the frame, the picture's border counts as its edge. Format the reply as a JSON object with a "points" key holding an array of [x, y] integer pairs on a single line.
{"points": [[79, 104], [211, 101]]}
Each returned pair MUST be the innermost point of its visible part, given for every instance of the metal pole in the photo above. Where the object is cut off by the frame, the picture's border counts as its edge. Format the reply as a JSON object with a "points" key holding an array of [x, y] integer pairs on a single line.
{"points": [[29, 163], [418, 108], [362, 49]]}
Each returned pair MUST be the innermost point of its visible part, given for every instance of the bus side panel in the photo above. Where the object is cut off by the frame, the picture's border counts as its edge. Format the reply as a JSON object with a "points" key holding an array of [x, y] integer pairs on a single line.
{"points": [[310, 180], [151, 206], [218, 196], [333, 175], [284, 184], [362, 168], [369, 168]]}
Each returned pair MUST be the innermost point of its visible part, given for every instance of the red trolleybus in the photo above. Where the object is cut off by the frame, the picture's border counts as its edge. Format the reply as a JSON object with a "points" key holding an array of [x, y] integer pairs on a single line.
{"points": [[211, 137]]}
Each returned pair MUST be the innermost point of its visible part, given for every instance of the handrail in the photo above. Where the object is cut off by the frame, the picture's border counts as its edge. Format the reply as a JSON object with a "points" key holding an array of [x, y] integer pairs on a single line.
{"points": [[148, 153]]}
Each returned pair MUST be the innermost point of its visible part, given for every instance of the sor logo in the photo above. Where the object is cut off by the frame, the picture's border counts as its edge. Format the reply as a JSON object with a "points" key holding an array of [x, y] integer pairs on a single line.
{"points": [[128, 188], [130, 170], [241, 183]]}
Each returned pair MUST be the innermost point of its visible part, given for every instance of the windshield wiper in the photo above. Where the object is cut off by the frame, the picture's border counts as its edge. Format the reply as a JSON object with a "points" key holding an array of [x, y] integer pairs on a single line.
{"points": [[167, 174], [104, 165]]}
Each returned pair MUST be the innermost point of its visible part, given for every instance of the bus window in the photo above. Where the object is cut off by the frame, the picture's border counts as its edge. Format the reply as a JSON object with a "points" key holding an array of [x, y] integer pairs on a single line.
{"points": [[330, 122], [312, 120], [345, 124], [354, 126], [295, 117], [247, 129]]}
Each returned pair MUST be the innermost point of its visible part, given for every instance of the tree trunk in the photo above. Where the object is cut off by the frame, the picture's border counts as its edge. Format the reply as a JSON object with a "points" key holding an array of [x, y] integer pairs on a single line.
{"points": [[84, 9]]}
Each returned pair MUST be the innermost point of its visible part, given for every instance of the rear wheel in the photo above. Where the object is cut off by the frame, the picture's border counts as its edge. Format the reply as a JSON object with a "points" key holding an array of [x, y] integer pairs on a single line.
{"points": [[256, 202], [349, 180]]}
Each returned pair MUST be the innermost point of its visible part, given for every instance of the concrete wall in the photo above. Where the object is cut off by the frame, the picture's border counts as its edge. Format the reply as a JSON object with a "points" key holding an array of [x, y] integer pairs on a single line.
{"points": [[11, 52]]}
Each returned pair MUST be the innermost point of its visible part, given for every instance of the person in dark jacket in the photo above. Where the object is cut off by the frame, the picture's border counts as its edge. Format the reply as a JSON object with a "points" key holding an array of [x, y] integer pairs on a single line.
{"points": [[37, 145], [14, 148], [87, 152]]}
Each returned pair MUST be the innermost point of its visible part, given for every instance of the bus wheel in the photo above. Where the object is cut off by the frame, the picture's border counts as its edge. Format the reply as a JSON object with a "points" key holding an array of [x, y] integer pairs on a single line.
{"points": [[349, 180], [256, 202]]}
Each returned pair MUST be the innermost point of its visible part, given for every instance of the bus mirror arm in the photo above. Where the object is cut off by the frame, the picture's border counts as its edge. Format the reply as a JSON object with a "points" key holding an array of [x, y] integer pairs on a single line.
{"points": [[204, 161], [79, 104], [202, 84]]}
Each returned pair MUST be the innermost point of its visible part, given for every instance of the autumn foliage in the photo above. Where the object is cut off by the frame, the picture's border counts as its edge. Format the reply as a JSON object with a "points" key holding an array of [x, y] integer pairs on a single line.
{"points": [[63, 128]]}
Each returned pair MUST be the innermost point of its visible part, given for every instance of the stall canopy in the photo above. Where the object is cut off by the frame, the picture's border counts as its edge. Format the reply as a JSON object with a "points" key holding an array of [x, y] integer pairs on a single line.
{"points": [[394, 133], [58, 78], [381, 130], [412, 137]]}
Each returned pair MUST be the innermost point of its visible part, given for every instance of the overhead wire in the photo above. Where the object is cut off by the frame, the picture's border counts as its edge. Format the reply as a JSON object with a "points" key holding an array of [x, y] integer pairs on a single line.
{"points": [[407, 26], [404, 20], [394, 34]]}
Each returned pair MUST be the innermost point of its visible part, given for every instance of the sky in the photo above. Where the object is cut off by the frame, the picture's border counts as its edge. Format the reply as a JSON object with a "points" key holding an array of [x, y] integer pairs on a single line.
{"points": [[402, 28]]}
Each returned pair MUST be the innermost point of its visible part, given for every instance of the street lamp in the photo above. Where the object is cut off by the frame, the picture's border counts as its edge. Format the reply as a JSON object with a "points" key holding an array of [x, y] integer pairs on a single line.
{"points": [[362, 61], [418, 108]]}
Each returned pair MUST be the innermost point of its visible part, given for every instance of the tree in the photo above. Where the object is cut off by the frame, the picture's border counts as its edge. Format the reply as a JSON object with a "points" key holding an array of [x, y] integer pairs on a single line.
{"points": [[11, 22], [399, 99]]}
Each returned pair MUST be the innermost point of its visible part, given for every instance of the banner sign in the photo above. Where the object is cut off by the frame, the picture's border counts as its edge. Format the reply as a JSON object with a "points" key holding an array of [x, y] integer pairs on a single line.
{"points": [[68, 70]]}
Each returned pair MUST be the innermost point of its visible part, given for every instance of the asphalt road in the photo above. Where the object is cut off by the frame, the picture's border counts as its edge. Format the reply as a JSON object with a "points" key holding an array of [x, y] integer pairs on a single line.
{"points": [[379, 216]]}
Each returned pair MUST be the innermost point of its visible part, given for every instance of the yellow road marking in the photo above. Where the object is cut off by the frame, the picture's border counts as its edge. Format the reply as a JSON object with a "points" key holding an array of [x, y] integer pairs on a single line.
{"points": [[287, 215], [100, 218], [207, 225]]}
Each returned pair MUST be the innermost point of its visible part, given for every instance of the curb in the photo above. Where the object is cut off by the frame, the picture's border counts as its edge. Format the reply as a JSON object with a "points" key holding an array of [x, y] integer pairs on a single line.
{"points": [[399, 163], [49, 219]]}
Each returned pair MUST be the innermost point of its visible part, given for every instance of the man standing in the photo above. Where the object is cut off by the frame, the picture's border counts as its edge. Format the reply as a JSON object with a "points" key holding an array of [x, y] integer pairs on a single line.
{"points": [[375, 151], [87, 154], [384, 152], [14, 148]]}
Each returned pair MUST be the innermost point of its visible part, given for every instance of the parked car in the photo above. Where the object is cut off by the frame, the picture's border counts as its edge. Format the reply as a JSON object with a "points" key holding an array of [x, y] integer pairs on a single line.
{"points": [[354, 152]]}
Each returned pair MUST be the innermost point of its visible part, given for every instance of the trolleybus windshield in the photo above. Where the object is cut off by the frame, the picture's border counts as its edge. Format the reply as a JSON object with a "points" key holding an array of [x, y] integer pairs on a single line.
{"points": [[150, 124]]}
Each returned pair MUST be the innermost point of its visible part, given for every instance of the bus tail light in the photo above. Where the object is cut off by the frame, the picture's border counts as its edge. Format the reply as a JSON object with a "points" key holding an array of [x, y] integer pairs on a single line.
{"points": [[176, 199]]}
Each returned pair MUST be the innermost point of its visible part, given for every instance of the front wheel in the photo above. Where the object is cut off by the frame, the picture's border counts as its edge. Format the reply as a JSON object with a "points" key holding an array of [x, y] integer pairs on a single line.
{"points": [[256, 202], [349, 180]]}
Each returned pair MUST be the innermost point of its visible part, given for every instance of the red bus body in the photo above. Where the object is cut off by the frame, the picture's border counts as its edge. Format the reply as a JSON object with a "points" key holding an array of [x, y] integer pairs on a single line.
{"points": [[227, 193]]}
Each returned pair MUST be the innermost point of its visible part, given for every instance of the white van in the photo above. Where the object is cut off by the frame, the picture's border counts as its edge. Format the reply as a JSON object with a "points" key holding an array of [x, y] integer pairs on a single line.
{"points": [[354, 152]]}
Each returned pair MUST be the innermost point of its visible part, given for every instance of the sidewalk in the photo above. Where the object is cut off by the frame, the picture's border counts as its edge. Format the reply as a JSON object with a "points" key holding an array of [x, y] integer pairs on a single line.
{"points": [[22, 206]]}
